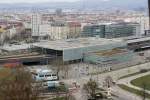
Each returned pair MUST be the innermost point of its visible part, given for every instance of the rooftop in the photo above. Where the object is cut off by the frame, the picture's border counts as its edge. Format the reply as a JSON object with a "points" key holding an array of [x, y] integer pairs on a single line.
{"points": [[75, 43], [110, 52], [138, 40], [14, 47]]}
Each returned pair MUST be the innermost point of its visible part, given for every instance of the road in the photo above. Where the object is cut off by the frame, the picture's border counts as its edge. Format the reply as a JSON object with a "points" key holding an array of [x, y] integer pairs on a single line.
{"points": [[115, 75], [127, 81], [124, 95]]}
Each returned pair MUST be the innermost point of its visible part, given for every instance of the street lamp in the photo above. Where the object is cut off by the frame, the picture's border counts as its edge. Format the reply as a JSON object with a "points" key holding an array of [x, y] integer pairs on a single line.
{"points": [[149, 12]]}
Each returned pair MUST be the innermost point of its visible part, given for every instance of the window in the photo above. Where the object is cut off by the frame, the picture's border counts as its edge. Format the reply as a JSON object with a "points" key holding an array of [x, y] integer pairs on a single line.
{"points": [[41, 75], [54, 75], [48, 75]]}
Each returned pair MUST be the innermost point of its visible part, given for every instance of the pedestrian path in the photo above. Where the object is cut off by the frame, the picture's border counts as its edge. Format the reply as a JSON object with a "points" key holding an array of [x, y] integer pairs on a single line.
{"points": [[127, 81]]}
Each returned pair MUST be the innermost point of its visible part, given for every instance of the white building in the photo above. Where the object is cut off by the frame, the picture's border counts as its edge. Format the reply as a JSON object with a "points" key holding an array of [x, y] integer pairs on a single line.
{"points": [[44, 29], [35, 21], [8, 34], [60, 30]]}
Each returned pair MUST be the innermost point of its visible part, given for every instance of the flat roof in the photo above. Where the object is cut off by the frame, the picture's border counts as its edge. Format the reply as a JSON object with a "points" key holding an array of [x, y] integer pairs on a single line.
{"points": [[13, 47], [110, 52], [138, 40], [134, 39], [75, 43]]}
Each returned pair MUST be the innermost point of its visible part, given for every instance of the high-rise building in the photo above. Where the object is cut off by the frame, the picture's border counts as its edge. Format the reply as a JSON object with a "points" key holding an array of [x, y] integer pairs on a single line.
{"points": [[35, 21], [58, 12]]}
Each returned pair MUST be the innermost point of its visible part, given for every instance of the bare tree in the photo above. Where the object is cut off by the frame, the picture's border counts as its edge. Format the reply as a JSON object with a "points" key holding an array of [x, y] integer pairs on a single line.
{"points": [[18, 86], [59, 65], [108, 82], [66, 70], [91, 87]]}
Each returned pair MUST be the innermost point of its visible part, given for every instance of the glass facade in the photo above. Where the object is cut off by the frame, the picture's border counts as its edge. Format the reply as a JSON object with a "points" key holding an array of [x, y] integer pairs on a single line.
{"points": [[119, 30], [94, 30], [111, 31]]}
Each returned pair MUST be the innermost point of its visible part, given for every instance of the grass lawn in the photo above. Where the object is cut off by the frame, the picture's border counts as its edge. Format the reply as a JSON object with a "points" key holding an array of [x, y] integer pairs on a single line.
{"points": [[142, 80], [137, 92]]}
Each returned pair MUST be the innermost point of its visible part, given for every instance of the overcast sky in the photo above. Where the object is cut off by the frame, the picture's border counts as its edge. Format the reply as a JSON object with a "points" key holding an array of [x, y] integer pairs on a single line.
{"points": [[33, 1], [38, 1]]}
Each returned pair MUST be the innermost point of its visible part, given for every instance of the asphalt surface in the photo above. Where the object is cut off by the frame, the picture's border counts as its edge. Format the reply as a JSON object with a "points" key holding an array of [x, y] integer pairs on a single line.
{"points": [[115, 75]]}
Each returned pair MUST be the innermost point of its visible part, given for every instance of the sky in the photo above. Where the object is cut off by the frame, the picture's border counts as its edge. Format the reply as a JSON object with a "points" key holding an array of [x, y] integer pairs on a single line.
{"points": [[33, 1]]}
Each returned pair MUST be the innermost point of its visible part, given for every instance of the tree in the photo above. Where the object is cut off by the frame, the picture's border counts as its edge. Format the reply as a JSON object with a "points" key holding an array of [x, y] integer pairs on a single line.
{"points": [[18, 86], [91, 87], [67, 95], [108, 82], [59, 65], [66, 70]]}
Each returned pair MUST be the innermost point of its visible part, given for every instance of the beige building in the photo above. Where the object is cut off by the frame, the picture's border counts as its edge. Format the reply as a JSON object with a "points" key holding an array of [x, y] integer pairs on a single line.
{"points": [[60, 30], [74, 29]]}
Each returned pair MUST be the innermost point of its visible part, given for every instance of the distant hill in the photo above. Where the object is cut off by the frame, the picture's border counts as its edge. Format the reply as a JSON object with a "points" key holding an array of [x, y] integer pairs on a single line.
{"points": [[128, 4], [84, 4]]}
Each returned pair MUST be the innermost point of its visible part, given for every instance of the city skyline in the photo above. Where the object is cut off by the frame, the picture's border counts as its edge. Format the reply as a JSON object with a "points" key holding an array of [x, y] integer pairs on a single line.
{"points": [[35, 1], [38, 1], [74, 49]]}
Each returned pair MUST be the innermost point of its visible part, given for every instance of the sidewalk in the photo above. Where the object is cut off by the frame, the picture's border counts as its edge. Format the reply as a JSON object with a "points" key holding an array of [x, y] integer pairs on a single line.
{"points": [[127, 81]]}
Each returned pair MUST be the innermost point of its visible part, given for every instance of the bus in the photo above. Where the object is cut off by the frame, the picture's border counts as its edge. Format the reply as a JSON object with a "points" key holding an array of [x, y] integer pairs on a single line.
{"points": [[46, 76]]}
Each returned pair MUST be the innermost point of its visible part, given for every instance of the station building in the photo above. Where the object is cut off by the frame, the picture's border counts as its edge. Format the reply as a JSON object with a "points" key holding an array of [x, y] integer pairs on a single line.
{"points": [[90, 49]]}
